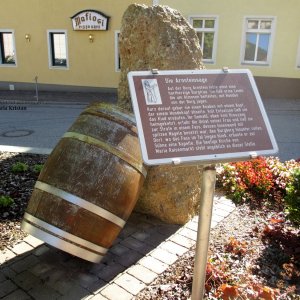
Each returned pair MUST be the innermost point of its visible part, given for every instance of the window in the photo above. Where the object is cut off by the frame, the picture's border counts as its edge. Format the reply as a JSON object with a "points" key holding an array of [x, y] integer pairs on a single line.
{"points": [[7, 48], [206, 28], [117, 52], [257, 42], [58, 54]]}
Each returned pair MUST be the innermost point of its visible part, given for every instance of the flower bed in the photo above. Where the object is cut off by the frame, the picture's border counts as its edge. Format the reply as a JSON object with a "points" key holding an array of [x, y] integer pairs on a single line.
{"points": [[255, 252], [263, 181]]}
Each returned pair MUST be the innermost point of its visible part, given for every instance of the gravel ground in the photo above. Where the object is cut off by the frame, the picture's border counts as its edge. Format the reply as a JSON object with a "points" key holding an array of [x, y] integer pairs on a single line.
{"points": [[257, 268], [254, 253], [18, 186]]}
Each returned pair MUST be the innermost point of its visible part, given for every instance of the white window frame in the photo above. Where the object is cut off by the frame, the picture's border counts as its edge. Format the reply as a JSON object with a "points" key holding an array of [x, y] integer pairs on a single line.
{"points": [[50, 59], [6, 65], [258, 31], [117, 52], [298, 56], [214, 30]]}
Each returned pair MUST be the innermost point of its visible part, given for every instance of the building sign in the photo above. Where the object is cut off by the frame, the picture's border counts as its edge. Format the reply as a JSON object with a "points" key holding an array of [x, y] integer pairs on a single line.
{"points": [[90, 20], [203, 115]]}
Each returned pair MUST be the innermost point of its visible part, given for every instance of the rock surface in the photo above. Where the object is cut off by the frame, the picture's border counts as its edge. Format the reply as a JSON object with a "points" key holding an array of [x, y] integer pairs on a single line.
{"points": [[171, 193], [155, 37], [158, 37]]}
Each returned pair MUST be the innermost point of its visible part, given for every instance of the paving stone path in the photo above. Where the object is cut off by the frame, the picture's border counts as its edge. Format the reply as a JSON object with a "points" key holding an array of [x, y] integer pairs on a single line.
{"points": [[144, 249]]}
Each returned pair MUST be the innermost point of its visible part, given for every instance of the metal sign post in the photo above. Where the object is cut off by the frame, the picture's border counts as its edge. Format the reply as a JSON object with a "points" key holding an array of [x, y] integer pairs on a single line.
{"points": [[203, 117], [204, 222]]}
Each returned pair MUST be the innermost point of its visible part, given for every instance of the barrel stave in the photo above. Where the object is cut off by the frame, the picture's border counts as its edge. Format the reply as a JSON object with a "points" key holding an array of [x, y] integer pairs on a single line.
{"points": [[92, 174], [89, 184]]}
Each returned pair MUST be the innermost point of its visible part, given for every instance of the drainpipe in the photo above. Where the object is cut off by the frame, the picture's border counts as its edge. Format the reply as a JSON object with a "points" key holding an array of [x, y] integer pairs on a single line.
{"points": [[36, 89]]}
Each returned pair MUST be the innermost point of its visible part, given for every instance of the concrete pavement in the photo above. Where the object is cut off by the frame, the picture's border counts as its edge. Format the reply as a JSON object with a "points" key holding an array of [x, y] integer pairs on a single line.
{"points": [[36, 127], [284, 116], [30, 97], [27, 125]]}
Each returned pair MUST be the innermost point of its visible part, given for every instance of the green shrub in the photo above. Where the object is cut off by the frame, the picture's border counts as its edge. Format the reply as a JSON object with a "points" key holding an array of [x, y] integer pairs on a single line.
{"points": [[292, 198], [19, 167], [37, 168], [5, 201]]}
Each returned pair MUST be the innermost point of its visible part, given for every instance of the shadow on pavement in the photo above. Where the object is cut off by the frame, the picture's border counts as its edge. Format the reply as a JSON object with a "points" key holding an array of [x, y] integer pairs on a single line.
{"points": [[48, 273]]}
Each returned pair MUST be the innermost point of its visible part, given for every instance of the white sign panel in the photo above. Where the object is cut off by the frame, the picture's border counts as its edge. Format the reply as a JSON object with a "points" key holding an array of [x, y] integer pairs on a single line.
{"points": [[90, 20]]}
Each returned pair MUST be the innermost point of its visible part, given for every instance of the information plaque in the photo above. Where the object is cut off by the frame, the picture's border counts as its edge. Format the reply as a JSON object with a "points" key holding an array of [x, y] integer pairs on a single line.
{"points": [[199, 115]]}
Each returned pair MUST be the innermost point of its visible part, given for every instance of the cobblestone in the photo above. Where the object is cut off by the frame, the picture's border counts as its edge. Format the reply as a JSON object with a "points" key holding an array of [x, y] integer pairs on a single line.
{"points": [[182, 241], [110, 271], [142, 273], [21, 248], [97, 297], [146, 248], [27, 280], [129, 259], [8, 272], [130, 283], [2, 277], [119, 250], [141, 235], [137, 245], [64, 286], [167, 230], [86, 280], [193, 225], [32, 241], [76, 292], [217, 218], [113, 292], [155, 239], [6, 255], [173, 248], [214, 223], [41, 269], [43, 292], [189, 233], [153, 264], [41, 250], [164, 256], [24, 264], [97, 286], [17, 295], [222, 213], [6, 287]]}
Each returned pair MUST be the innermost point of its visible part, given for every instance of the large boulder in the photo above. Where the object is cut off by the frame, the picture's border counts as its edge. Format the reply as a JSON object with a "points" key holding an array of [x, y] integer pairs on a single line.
{"points": [[155, 37], [158, 37], [171, 193]]}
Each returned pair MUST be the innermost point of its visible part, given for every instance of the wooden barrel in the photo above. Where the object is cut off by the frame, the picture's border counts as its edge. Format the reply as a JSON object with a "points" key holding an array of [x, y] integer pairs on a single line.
{"points": [[89, 184]]}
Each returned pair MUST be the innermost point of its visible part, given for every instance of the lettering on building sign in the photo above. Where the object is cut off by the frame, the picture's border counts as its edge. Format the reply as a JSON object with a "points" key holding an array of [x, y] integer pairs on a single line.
{"points": [[90, 20]]}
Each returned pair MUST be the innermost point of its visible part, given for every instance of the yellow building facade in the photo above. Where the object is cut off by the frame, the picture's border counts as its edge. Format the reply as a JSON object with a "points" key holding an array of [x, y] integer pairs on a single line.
{"points": [[39, 41], [261, 35]]}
